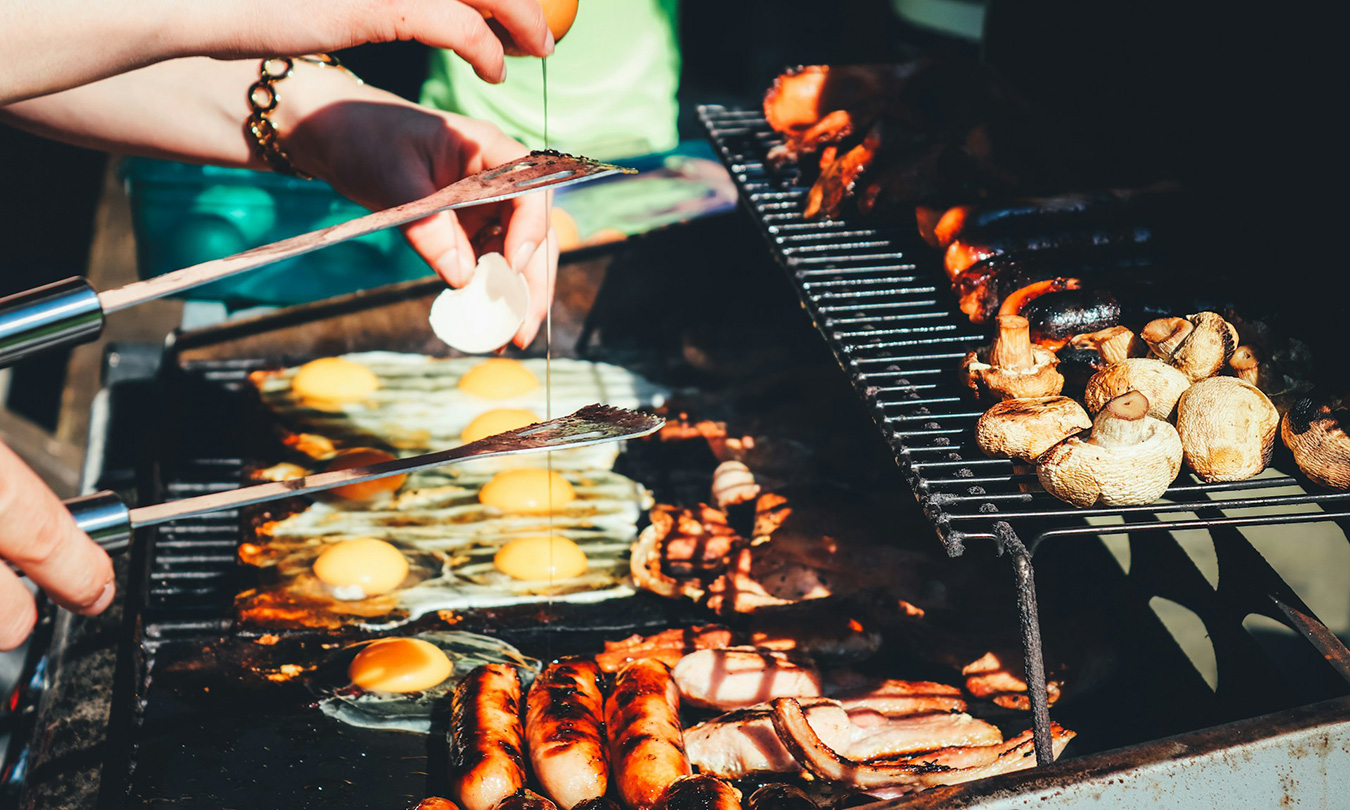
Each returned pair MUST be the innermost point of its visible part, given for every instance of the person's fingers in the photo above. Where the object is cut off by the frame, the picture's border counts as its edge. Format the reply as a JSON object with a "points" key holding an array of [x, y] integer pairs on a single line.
{"points": [[541, 273], [526, 227], [524, 20], [18, 614], [441, 241], [458, 27], [39, 535]]}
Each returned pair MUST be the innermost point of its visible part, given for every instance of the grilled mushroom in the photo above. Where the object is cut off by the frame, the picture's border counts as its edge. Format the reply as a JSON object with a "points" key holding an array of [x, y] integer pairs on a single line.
{"points": [[1026, 428], [1090, 352], [1128, 459], [1161, 383], [1012, 368], [1314, 431], [1227, 428], [1198, 345]]}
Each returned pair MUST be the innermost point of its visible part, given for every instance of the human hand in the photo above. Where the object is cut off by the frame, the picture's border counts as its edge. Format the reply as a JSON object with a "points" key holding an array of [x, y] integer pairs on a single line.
{"points": [[381, 151], [59, 44], [38, 535]]}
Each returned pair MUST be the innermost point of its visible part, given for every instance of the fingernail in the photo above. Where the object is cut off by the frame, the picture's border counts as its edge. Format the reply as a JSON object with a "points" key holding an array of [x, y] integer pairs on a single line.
{"points": [[523, 255], [526, 335], [104, 599], [501, 77], [549, 44], [467, 264]]}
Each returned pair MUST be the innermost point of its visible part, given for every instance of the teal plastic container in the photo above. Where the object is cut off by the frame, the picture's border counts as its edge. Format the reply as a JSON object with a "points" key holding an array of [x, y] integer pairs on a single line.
{"points": [[184, 214]]}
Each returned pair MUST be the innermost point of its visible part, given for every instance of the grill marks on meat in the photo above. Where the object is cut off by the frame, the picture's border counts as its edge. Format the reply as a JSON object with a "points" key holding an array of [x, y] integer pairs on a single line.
{"points": [[746, 742], [564, 725], [943, 766], [486, 761], [739, 677], [667, 646], [837, 180], [646, 744]]}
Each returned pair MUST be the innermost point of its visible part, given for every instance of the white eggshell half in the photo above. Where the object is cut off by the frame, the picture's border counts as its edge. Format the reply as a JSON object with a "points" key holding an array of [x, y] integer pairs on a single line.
{"points": [[487, 312]]}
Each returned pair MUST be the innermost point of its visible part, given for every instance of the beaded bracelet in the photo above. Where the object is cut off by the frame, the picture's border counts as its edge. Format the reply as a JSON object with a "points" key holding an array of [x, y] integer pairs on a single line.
{"points": [[263, 100]]}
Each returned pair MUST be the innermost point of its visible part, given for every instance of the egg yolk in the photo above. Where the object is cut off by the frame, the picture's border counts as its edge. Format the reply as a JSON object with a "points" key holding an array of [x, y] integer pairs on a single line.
{"points": [[498, 378], [333, 381], [357, 569], [497, 421], [541, 558], [528, 490], [399, 665], [361, 457]]}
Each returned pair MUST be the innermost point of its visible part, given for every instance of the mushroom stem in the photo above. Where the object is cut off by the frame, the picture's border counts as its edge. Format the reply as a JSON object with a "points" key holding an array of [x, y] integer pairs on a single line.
{"points": [[1122, 421], [1115, 343], [1245, 364], [1166, 334], [1012, 346]]}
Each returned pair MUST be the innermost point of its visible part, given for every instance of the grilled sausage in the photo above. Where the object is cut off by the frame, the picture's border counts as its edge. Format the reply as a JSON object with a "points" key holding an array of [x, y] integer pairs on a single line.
{"points": [[564, 726], [702, 792], [961, 254], [599, 803], [1055, 317], [1151, 204], [525, 800], [778, 796], [1006, 284], [486, 764], [646, 745]]}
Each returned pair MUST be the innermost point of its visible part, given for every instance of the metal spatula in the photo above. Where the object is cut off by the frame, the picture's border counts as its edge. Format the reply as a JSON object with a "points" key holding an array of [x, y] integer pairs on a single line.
{"points": [[71, 311], [106, 518]]}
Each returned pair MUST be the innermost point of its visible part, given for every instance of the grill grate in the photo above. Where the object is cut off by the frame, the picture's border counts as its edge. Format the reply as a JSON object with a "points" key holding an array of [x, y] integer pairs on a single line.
{"points": [[880, 301], [881, 304]]}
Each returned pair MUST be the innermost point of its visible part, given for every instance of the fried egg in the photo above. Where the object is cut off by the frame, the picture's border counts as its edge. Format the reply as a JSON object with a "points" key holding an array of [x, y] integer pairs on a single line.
{"points": [[329, 383], [396, 683], [453, 520], [541, 558], [366, 490], [361, 568], [527, 490], [423, 403]]}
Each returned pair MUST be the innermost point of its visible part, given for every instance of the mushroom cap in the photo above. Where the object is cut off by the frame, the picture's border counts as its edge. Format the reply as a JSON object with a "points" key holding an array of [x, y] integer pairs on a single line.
{"points": [[1026, 428], [1199, 345], [1227, 428], [995, 383], [1161, 383], [1085, 474], [1314, 431]]}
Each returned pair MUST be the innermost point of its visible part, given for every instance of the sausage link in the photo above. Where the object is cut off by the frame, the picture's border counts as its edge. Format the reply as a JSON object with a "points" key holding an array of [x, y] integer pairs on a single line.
{"points": [[565, 732], [702, 792], [646, 745], [486, 764]]}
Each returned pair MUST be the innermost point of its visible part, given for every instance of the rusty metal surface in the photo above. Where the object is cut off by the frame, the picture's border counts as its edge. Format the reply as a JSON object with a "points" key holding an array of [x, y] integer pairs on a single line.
{"points": [[1290, 759]]}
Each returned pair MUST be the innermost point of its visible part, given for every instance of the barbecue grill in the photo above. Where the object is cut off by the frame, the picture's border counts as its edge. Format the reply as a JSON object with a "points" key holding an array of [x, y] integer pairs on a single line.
{"points": [[878, 299], [1268, 730]]}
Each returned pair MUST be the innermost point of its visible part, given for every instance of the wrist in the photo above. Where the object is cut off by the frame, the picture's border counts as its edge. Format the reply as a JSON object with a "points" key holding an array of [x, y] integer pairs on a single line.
{"points": [[292, 103]]}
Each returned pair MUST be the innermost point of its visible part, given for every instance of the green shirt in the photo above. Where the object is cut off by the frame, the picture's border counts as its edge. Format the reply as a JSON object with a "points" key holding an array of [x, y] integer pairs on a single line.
{"points": [[611, 84]]}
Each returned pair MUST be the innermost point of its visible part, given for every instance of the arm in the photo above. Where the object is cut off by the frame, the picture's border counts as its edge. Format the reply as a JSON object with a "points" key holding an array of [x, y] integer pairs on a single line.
{"points": [[372, 146], [54, 45], [39, 536]]}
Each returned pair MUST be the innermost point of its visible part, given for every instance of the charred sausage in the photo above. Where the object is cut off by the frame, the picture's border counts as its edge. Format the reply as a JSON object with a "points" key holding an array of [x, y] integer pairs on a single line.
{"points": [[525, 800], [1059, 211], [702, 792], [486, 764], [646, 745], [1055, 317], [1007, 284], [779, 796], [961, 255], [564, 727]]}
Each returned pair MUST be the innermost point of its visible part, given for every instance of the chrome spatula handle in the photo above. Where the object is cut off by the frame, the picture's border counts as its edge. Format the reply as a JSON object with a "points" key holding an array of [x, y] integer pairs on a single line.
{"points": [[57, 314], [103, 516]]}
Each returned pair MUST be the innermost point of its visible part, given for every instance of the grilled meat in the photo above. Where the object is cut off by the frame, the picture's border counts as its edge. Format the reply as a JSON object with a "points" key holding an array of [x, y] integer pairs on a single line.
{"points": [[740, 677], [744, 742], [700, 792], [779, 796], [1055, 317], [564, 725], [1073, 210], [486, 762], [944, 766], [667, 646], [646, 745]]}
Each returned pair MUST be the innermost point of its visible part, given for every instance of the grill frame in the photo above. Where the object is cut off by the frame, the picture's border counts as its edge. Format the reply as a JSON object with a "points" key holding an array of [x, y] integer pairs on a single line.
{"points": [[899, 347]]}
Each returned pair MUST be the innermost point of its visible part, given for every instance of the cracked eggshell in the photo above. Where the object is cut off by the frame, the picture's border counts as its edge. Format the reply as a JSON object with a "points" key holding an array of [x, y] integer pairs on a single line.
{"points": [[1227, 428], [1160, 382]]}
